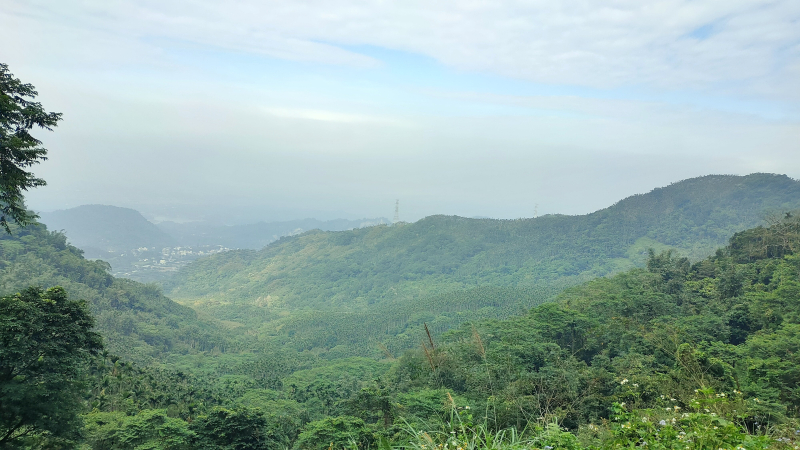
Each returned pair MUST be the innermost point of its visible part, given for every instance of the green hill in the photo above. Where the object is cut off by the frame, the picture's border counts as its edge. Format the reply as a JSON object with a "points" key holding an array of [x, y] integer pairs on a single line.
{"points": [[137, 321], [676, 355], [320, 290], [100, 229], [719, 337]]}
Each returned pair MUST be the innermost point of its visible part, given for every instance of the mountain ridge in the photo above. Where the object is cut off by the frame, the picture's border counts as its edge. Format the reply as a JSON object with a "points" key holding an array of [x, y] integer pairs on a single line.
{"points": [[377, 269], [256, 235]]}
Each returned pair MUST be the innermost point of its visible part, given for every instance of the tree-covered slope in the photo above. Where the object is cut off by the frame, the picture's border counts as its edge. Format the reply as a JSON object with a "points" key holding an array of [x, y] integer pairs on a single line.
{"points": [[137, 320], [677, 355], [360, 287], [728, 323], [357, 268]]}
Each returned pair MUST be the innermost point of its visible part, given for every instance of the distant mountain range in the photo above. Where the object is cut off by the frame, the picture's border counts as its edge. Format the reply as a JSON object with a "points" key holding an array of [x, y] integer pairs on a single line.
{"points": [[103, 228], [141, 250]]}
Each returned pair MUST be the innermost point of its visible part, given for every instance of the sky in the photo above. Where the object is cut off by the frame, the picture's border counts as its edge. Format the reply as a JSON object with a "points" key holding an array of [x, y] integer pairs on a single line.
{"points": [[280, 109]]}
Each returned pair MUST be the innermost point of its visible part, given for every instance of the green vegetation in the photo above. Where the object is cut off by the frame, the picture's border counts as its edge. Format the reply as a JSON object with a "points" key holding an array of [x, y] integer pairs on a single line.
{"points": [[19, 150], [45, 340], [136, 320], [676, 354], [347, 293], [728, 323]]}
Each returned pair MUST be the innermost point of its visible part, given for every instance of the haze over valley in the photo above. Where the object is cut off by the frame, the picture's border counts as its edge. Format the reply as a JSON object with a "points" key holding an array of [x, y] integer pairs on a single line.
{"points": [[144, 251], [355, 225], [347, 286]]}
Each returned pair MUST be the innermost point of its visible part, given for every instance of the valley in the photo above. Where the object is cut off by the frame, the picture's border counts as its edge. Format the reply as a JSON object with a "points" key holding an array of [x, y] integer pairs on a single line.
{"points": [[375, 334], [594, 240], [144, 251], [346, 292]]}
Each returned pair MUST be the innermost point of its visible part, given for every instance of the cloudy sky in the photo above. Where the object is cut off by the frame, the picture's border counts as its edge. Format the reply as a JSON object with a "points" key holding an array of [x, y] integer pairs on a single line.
{"points": [[278, 109]]}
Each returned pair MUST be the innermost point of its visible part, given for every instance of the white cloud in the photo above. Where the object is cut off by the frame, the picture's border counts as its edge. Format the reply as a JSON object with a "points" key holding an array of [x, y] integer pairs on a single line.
{"points": [[329, 116], [148, 120], [211, 153], [588, 43]]}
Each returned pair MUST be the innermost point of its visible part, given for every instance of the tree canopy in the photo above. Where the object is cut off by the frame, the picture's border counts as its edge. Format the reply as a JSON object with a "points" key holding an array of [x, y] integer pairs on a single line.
{"points": [[45, 340], [19, 150]]}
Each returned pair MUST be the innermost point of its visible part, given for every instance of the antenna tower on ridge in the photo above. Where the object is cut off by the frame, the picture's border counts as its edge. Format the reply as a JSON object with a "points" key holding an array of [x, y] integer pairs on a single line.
{"points": [[396, 211]]}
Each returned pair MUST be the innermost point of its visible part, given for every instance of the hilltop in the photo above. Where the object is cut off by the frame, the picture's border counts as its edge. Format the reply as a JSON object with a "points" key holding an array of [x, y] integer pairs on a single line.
{"points": [[677, 354], [655, 353], [102, 229], [319, 290]]}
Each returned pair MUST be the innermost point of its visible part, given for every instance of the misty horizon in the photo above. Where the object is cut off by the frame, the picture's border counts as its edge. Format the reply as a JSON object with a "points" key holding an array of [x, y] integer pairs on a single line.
{"points": [[246, 215], [298, 109]]}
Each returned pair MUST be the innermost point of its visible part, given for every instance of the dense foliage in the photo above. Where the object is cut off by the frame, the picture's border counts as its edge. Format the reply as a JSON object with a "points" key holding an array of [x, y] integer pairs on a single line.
{"points": [[676, 354], [45, 340], [135, 319], [346, 292], [729, 323], [19, 150]]}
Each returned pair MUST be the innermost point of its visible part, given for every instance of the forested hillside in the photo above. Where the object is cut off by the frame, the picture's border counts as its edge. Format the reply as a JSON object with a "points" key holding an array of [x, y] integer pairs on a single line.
{"points": [[137, 321], [378, 284], [675, 355]]}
